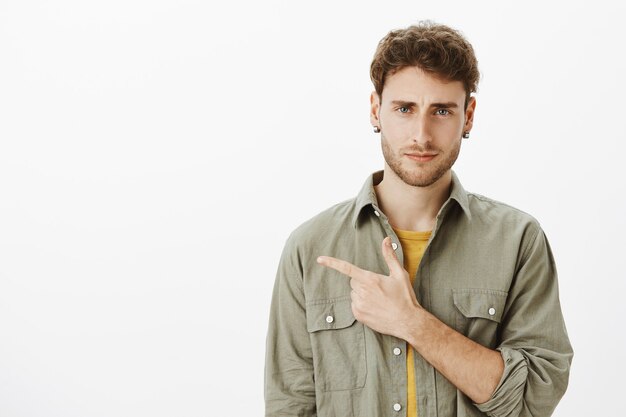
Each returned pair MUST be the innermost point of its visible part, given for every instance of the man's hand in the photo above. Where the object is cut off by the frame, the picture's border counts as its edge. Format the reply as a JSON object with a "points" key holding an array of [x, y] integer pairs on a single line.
{"points": [[384, 303]]}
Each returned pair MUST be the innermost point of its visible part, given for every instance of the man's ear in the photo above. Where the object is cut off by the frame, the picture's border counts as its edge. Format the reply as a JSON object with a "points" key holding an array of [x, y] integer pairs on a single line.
{"points": [[469, 114], [374, 109]]}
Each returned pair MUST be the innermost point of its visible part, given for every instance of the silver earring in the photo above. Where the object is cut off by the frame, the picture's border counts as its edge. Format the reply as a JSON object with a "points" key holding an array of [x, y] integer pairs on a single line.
{"points": [[465, 135], [376, 129]]}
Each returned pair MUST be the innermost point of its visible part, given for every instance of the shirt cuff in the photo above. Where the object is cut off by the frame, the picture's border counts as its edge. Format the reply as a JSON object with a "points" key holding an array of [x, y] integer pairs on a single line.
{"points": [[507, 397]]}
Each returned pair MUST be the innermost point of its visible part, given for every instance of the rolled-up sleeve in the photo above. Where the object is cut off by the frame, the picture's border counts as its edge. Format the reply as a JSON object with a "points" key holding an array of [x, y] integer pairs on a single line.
{"points": [[289, 382], [534, 344]]}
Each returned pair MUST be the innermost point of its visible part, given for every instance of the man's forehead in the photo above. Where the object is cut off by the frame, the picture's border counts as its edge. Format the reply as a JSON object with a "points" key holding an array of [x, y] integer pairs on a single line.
{"points": [[412, 84]]}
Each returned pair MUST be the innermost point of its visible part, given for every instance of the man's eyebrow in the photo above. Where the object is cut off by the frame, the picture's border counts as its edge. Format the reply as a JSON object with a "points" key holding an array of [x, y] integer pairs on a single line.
{"points": [[445, 105], [403, 103]]}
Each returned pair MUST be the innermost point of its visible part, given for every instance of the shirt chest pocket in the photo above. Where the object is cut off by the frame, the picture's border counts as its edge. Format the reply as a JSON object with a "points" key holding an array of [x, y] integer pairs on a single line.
{"points": [[338, 343], [479, 313]]}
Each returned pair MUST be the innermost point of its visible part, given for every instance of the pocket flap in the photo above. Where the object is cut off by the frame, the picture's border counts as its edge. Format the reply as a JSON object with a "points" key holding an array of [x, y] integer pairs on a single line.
{"points": [[329, 314], [475, 302]]}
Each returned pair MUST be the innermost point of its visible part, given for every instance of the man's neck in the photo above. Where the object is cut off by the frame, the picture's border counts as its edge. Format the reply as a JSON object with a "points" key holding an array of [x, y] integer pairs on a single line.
{"points": [[408, 207]]}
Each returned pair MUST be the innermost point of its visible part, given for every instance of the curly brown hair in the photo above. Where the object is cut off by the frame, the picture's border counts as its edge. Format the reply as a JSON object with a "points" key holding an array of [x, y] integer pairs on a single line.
{"points": [[435, 48]]}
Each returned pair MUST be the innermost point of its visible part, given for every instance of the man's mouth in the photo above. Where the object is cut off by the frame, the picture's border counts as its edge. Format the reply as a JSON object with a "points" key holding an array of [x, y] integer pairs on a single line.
{"points": [[421, 157]]}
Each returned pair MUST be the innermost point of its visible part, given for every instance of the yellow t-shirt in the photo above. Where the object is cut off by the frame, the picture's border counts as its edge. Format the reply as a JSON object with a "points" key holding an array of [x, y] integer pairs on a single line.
{"points": [[413, 246]]}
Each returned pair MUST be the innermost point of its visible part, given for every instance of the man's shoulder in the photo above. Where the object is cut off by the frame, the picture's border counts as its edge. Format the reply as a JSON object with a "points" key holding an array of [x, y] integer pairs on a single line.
{"points": [[331, 220], [335, 216], [497, 212]]}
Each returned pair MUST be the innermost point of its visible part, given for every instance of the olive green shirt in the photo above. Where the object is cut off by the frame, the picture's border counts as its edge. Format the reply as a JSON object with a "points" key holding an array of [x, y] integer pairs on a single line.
{"points": [[487, 272]]}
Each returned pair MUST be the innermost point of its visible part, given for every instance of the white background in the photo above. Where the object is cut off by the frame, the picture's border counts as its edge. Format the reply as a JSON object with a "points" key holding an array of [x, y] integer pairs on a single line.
{"points": [[155, 155]]}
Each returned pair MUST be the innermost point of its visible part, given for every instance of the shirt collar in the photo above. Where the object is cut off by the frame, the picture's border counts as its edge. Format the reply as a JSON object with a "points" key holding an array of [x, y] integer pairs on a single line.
{"points": [[367, 195]]}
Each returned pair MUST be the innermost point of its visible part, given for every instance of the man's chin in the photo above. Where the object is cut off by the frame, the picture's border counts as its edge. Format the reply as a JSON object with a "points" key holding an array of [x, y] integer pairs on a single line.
{"points": [[419, 177], [420, 181]]}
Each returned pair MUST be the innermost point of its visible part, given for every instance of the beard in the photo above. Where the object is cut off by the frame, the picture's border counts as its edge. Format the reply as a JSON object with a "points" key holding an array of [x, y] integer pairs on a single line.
{"points": [[420, 174]]}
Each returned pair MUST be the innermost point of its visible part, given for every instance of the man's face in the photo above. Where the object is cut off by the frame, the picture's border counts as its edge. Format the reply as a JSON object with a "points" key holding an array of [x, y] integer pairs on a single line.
{"points": [[422, 121]]}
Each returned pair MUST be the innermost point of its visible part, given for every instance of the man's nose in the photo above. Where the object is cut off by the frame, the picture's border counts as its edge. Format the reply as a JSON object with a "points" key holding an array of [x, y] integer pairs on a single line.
{"points": [[421, 130]]}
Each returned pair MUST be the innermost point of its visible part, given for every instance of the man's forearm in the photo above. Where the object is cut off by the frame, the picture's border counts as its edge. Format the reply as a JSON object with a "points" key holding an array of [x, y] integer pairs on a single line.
{"points": [[471, 367]]}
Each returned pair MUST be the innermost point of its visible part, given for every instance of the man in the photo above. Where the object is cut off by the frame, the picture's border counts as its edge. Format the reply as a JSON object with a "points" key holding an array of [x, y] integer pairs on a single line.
{"points": [[416, 297]]}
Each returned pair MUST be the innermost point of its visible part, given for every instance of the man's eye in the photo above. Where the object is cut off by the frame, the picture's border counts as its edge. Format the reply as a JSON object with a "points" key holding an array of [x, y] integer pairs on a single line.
{"points": [[403, 109], [439, 112]]}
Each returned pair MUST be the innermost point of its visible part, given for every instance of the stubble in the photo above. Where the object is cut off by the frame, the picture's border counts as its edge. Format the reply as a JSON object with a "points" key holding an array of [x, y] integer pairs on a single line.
{"points": [[420, 174]]}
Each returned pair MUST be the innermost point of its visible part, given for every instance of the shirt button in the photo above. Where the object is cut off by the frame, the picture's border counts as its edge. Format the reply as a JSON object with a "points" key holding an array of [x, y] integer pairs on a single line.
{"points": [[492, 311], [394, 245], [329, 319], [376, 213], [397, 407], [397, 351]]}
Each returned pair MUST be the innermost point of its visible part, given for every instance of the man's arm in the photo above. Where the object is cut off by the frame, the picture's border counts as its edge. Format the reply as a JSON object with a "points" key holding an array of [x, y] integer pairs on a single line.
{"points": [[528, 374], [471, 367], [531, 373], [289, 383]]}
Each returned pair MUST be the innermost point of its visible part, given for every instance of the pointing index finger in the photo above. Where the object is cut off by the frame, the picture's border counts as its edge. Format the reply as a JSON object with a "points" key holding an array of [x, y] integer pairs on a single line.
{"points": [[340, 265]]}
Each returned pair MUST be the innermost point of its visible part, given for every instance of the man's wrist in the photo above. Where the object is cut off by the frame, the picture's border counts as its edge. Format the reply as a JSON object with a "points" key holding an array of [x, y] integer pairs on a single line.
{"points": [[415, 326]]}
